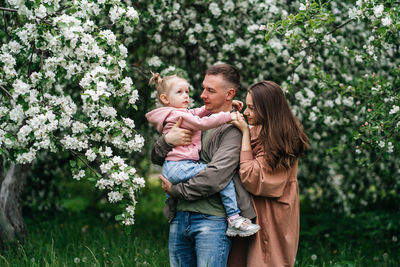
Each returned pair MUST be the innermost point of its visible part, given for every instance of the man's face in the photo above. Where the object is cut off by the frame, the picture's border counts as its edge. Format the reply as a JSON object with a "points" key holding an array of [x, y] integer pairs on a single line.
{"points": [[216, 94]]}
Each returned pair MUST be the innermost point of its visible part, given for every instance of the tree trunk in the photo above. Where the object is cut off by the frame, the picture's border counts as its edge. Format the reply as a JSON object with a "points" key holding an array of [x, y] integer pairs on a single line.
{"points": [[12, 226]]}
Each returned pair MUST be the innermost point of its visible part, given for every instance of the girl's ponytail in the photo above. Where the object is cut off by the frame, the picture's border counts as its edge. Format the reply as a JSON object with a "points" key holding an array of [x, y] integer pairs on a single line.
{"points": [[155, 79]]}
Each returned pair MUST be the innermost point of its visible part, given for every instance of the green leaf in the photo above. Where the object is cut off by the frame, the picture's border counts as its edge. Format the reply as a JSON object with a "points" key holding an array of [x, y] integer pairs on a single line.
{"points": [[10, 136], [72, 163], [269, 35], [118, 217], [128, 230]]}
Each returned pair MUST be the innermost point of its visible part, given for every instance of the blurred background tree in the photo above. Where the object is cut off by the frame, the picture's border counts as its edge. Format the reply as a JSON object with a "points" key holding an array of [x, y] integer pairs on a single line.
{"points": [[338, 63]]}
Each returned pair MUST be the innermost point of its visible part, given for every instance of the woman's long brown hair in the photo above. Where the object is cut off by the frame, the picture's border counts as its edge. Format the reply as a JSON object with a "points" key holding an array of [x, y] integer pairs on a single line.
{"points": [[281, 132]]}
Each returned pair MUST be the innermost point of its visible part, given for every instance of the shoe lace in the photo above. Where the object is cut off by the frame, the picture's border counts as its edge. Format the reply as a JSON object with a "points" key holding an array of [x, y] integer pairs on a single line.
{"points": [[239, 222]]}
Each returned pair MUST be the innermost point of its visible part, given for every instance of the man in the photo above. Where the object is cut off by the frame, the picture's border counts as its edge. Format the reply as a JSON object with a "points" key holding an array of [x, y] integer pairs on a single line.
{"points": [[195, 211]]}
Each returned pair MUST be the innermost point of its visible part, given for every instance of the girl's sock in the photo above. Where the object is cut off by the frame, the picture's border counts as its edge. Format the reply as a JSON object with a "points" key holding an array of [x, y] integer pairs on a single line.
{"points": [[231, 218]]}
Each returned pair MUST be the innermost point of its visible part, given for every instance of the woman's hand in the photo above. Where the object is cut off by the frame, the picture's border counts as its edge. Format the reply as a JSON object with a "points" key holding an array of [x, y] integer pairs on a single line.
{"points": [[237, 104], [165, 184], [178, 136], [239, 122]]}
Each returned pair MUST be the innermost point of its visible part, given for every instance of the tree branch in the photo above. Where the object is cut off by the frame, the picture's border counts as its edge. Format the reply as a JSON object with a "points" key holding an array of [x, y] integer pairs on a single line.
{"points": [[8, 9], [6, 92], [340, 26], [6, 25], [84, 162], [30, 60], [140, 70], [11, 133]]}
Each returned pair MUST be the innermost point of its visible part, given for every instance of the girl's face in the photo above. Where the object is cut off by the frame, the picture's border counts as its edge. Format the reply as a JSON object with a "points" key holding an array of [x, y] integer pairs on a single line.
{"points": [[178, 94], [250, 111]]}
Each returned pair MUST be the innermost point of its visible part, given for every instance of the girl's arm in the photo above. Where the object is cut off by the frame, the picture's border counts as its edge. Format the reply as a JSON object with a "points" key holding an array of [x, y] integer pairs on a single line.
{"points": [[193, 122], [201, 111]]}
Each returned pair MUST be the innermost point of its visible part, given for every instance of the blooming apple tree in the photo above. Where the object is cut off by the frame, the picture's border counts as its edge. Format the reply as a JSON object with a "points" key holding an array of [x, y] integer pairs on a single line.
{"points": [[337, 61], [62, 69]]}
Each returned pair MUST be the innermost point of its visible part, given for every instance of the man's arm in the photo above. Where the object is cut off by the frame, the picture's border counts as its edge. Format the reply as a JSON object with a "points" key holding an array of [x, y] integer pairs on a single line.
{"points": [[160, 150], [219, 171]]}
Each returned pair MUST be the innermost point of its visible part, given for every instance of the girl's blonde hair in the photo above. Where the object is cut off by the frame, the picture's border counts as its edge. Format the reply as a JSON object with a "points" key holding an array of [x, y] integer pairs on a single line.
{"points": [[163, 85]]}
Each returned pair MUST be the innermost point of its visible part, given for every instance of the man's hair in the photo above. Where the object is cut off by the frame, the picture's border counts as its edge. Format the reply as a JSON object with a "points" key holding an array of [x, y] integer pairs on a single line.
{"points": [[228, 72]]}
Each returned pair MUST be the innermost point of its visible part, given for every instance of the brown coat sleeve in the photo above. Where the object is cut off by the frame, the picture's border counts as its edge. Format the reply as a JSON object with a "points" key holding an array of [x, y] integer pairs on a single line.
{"points": [[258, 178]]}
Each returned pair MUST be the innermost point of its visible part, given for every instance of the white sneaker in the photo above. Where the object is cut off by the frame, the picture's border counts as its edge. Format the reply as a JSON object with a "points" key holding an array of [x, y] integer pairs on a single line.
{"points": [[242, 227]]}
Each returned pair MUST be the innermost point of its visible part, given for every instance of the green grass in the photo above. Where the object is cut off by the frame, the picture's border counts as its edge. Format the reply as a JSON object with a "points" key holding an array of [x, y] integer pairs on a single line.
{"points": [[85, 239]]}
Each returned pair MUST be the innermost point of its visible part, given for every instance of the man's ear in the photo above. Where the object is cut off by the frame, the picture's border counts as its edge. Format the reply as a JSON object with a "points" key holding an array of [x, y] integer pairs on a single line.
{"points": [[164, 99], [230, 94]]}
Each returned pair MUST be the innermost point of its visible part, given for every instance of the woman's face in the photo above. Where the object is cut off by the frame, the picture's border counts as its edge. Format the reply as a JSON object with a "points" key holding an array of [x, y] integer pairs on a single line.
{"points": [[250, 111]]}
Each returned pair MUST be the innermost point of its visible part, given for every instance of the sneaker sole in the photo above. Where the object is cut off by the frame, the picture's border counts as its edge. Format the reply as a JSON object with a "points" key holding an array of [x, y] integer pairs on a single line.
{"points": [[231, 232]]}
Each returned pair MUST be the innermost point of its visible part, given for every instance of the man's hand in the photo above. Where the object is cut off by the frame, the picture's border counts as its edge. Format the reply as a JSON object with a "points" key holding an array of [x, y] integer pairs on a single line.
{"points": [[178, 136], [165, 184]]}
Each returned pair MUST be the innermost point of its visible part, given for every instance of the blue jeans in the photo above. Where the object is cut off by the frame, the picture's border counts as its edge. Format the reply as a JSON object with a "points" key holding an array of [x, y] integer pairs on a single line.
{"points": [[183, 170], [198, 240]]}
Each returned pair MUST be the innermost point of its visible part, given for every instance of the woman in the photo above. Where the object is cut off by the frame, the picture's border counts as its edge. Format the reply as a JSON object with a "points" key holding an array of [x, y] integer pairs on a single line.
{"points": [[268, 170]]}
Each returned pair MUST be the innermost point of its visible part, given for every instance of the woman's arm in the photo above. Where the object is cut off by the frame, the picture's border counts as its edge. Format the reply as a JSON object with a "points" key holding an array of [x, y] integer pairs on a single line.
{"points": [[257, 177], [240, 123]]}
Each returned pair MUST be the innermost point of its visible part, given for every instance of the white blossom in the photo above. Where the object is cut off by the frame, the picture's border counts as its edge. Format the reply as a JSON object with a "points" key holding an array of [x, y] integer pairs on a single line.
{"points": [[114, 196], [394, 109], [109, 36], [79, 175], [17, 114], [229, 6], [378, 10], [154, 62], [386, 21], [90, 155], [215, 9], [41, 12], [116, 12], [134, 97]]}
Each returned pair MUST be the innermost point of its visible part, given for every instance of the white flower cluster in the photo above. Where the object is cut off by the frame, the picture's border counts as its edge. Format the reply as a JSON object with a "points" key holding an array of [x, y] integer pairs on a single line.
{"points": [[65, 53]]}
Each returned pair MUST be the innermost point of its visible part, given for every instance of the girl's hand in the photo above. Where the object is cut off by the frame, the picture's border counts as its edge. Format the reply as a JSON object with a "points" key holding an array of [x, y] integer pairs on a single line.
{"points": [[233, 116], [237, 104], [240, 122]]}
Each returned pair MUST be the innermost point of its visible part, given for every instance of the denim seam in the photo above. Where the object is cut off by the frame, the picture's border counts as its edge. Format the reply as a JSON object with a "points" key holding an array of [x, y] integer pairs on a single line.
{"points": [[212, 217]]}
